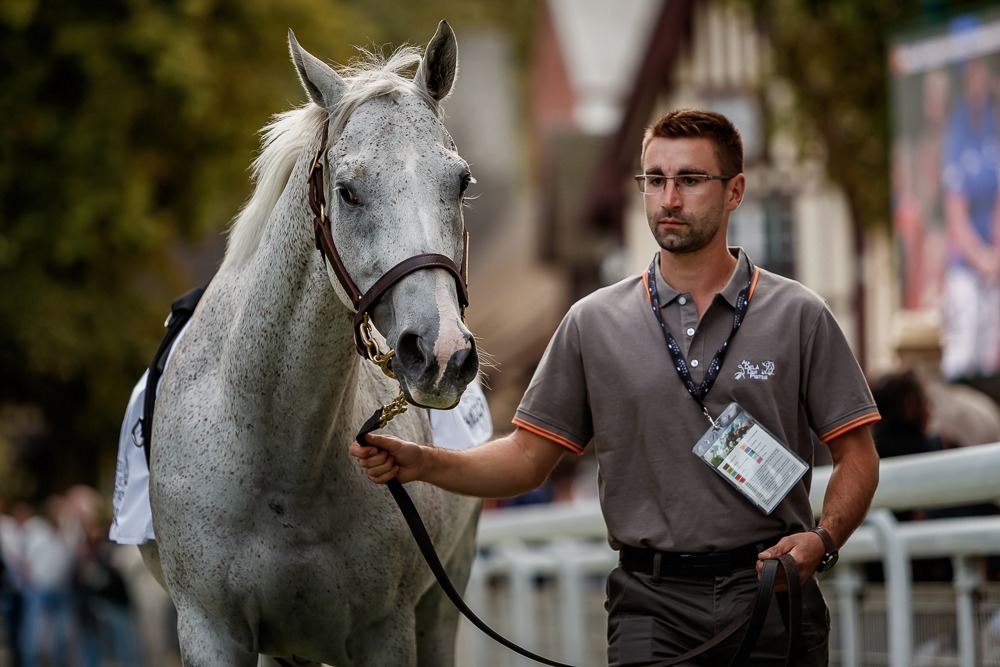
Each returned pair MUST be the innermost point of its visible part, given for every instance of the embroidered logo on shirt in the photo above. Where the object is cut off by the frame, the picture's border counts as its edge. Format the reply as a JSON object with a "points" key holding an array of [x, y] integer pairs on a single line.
{"points": [[749, 371]]}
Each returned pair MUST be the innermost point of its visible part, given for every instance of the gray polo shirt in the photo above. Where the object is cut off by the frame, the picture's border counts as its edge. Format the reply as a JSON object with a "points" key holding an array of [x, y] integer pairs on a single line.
{"points": [[607, 377]]}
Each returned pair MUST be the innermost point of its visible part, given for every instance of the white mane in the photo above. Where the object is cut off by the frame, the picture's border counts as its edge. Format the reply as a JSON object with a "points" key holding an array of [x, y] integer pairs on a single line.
{"points": [[287, 135]]}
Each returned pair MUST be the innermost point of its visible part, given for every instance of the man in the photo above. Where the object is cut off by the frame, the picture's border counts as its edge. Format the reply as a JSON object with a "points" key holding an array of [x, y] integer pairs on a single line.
{"points": [[691, 544]]}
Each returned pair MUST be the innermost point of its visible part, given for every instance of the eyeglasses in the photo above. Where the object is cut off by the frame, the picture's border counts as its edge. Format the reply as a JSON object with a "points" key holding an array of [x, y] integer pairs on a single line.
{"points": [[686, 184]]}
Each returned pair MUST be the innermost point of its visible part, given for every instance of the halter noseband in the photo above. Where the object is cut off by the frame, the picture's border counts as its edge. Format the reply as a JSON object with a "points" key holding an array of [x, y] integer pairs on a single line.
{"points": [[364, 302]]}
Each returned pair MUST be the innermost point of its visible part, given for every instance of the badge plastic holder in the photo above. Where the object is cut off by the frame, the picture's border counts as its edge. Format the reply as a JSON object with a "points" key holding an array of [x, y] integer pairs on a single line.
{"points": [[750, 458]]}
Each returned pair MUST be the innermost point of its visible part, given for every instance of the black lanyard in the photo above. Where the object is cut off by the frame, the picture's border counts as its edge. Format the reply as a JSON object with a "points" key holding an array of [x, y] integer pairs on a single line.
{"points": [[680, 365]]}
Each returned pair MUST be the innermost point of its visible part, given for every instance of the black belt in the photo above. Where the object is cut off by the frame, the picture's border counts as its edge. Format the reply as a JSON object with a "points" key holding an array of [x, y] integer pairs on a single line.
{"points": [[643, 561]]}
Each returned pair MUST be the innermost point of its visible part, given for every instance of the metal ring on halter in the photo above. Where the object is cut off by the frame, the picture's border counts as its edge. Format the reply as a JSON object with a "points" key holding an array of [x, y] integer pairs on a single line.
{"points": [[372, 351]]}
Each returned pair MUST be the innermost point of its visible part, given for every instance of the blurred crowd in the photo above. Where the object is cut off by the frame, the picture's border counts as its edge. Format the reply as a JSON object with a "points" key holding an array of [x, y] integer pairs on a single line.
{"points": [[63, 598]]}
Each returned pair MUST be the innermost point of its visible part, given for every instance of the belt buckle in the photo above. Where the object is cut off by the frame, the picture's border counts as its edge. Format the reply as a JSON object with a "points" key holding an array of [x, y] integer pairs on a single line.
{"points": [[696, 561], [713, 562]]}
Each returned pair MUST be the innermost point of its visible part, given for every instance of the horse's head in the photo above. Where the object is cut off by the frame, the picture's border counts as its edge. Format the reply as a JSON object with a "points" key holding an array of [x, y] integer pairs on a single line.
{"points": [[394, 188]]}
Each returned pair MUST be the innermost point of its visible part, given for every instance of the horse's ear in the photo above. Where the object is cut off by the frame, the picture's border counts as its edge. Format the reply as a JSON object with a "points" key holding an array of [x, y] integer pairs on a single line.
{"points": [[436, 73], [323, 85]]}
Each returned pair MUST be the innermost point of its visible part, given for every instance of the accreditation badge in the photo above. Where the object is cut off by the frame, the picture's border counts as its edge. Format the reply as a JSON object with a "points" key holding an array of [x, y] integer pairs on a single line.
{"points": [[752, 460]]}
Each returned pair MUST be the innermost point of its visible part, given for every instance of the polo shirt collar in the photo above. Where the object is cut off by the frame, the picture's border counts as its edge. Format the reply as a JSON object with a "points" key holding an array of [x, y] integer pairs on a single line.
{"points": [[737, 281]]}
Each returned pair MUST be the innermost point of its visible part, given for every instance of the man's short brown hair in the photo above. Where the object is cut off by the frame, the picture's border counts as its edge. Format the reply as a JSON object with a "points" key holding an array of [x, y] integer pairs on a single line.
{"points": [[701, 124]]}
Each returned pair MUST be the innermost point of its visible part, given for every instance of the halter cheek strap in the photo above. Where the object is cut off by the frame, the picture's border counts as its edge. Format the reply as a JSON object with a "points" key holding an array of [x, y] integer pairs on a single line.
{"points": [[364, 301]]}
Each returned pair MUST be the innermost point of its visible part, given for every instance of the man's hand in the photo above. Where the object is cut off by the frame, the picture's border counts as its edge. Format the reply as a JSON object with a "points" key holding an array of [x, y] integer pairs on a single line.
{"points": [[806, 548], [507, 466], [384, 457]]}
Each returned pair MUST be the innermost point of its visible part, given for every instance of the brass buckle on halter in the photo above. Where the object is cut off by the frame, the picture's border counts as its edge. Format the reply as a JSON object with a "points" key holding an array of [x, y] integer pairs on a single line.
{"points": [[315, 163], [372, 352], [397, 405]]}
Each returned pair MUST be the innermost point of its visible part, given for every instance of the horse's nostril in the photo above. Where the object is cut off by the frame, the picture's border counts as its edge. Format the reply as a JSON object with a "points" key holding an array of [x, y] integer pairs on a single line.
{"points": [[410, 352], [469, 364]]}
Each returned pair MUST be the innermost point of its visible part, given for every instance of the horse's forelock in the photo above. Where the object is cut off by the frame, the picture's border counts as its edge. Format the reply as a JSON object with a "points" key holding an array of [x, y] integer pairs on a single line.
{"points": [[372, 75], [369, 76]]}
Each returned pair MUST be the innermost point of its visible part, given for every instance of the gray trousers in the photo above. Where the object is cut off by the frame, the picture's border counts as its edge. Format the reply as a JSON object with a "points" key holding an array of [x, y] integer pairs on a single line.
{"points": [[653, 618]]}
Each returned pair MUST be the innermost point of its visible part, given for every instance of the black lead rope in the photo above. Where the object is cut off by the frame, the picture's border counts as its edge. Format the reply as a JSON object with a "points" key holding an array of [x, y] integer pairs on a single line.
{"points": [[755, 614]]}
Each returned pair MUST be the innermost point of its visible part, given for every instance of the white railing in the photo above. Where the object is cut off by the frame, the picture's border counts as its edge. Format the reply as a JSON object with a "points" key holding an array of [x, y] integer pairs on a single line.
{"points": [[565, 544]]}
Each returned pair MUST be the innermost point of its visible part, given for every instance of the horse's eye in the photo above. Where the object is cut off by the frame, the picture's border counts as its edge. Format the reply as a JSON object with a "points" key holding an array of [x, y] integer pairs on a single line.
{"points": [[467, 180], [348, 197]]}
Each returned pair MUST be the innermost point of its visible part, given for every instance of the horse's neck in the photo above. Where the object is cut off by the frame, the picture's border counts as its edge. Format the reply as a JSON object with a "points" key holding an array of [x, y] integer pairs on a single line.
{"points": [[290, 350]]}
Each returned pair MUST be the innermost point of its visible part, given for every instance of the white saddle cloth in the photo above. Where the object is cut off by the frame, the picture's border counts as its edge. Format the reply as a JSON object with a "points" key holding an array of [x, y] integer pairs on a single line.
{"points": [[468, 424]]}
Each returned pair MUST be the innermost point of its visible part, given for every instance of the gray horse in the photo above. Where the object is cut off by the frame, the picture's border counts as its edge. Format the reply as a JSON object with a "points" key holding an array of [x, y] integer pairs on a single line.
{"points": [[269, 540]]}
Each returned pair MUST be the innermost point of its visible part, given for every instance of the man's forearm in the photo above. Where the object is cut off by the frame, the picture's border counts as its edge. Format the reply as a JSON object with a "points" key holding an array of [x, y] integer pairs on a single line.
{"points": [[852, 483], [502, 468]]}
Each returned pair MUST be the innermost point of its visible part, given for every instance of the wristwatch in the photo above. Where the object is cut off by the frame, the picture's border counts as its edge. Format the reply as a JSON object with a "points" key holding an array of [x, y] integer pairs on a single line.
{"points": [[832, 554]]}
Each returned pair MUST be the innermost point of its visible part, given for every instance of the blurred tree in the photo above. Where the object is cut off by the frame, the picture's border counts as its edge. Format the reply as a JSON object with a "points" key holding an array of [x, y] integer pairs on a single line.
{"points": [[833, 54], [128, 127]]}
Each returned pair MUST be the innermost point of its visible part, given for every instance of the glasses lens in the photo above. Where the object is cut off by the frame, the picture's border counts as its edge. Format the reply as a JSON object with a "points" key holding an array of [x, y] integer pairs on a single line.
{"points": [[651, 184], [691, 183]]}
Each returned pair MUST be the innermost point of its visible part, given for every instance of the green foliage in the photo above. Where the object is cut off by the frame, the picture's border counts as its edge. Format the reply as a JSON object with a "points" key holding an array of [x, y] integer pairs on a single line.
{"points": [[128, 128], [833, 53]]}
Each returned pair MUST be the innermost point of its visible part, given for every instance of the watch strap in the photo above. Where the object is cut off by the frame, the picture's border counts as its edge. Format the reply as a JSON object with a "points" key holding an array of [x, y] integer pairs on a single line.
{"points": [[828, 543]]}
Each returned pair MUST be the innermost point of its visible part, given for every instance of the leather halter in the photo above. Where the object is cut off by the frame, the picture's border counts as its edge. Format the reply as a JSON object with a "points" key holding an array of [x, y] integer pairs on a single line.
{"points": [[364, 301]]}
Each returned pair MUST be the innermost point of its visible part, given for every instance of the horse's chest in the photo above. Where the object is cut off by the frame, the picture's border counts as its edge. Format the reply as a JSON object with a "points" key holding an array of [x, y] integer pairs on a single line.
{"points": [[327, 549], [340, 579]]}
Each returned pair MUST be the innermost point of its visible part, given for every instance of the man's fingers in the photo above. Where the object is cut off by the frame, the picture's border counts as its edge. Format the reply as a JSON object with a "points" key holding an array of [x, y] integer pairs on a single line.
{"points": [[384, 477], [382, 472], [380, 441], [376, 455]]}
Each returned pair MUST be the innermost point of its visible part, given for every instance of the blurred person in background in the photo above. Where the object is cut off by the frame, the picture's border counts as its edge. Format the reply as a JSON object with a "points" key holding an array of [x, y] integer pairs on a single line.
{"points": [[905, 412], [958, 414], [15, 529], [102, 600], [971, 181], [48, 548], [11, 577]]}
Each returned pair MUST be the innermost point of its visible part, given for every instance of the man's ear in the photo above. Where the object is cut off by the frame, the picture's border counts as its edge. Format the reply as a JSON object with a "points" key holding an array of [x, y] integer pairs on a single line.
{"points": [[735, 188]]}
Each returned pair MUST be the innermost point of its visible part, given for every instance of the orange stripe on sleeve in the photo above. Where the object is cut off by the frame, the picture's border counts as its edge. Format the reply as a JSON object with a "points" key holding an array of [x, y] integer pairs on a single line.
{"points": [[548, 435], [869, 418]]}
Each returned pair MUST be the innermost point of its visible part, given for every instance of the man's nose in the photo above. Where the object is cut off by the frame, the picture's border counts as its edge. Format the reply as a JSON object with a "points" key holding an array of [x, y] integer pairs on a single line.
{"points": [[671, 196]]}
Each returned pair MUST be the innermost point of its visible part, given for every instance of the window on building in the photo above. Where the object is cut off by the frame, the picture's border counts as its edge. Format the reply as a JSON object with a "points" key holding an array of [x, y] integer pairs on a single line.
{"points": [[763, 227]]}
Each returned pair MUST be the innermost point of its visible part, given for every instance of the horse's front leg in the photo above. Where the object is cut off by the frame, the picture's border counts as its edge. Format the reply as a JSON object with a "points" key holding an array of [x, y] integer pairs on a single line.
{"points": [[206, 641]]}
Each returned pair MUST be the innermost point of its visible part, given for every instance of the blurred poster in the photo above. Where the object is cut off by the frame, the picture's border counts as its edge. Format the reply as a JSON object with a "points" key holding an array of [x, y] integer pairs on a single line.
{"points": [[945, 95]]}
